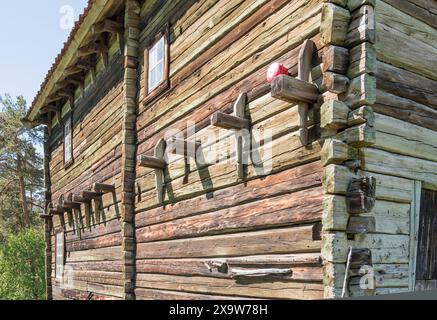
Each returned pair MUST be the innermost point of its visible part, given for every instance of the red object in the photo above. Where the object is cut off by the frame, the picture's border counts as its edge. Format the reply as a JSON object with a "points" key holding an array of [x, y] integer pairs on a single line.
{"points": [[276, 69]]}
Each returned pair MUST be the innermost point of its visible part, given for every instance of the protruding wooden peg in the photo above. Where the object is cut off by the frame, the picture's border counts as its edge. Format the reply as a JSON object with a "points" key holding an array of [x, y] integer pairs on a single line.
{"points": [[152, 162], [91, 195], [103, 188]]}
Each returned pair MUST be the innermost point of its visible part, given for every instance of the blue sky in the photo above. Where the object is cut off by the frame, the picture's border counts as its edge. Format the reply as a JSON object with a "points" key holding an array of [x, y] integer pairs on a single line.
{"points": [[32, 33]]}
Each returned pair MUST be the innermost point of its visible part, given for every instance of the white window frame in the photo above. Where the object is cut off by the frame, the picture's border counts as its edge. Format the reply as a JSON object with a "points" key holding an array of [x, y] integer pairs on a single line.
{"points": [[154, 61], [59, 255]]}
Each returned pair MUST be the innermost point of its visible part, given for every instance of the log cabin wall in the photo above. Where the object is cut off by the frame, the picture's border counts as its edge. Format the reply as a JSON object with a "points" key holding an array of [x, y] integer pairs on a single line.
{"points": [[93, 251], [214, 226], [392, 98]]}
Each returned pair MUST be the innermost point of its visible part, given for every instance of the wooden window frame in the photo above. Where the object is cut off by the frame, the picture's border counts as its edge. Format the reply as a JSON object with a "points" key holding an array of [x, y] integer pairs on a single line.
{"points": [[69, 119], [59, 276], [165, 83]]}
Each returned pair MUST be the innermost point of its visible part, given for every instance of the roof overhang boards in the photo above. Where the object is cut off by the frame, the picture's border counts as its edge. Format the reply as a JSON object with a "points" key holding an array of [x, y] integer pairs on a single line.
{"points": [[90, 42]]}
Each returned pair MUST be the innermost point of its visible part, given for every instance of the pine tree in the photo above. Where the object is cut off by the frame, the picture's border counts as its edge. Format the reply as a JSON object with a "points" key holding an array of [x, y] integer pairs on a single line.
{"points": [[21, 173]]}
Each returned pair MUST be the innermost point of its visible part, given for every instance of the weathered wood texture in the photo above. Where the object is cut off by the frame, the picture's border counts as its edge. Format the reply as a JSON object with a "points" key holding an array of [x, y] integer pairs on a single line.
{"points": [[426, 266], [218, 49], [96, 152], [406, 69]]}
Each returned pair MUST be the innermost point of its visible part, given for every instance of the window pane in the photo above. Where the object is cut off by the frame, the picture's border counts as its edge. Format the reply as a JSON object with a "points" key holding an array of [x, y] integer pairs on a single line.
{"points": [[156, 64], [160, 72]]}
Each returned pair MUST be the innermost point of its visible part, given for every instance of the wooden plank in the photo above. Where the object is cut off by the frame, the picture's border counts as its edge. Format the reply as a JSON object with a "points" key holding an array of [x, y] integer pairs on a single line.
{"points": [[271, 289], [398, 165], [288, 240], [426, 245], [152, 294], [390, 217], [403, 51], [406, 84], [386, 248], [388, 187], [404, 138], [405, 109], [301, 177], [420, 9], [298, 208]]}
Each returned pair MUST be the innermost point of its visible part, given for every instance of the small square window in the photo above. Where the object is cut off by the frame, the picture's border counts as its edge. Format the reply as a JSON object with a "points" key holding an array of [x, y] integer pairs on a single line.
{"points": [[68, 146], [156, 65]]}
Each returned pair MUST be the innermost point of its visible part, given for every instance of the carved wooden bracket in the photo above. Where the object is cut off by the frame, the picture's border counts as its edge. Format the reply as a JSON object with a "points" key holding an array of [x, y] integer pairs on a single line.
{"points": [[103, 188], [360, 195], [158, 163], [235, 121], [299, 90]]}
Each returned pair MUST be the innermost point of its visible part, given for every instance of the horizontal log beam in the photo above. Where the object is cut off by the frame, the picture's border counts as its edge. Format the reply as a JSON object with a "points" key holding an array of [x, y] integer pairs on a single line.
{"points": [[72, 205], [91, 195], [77, 198], [293, 90], [227, 121], [104, 188], [152, 162]]}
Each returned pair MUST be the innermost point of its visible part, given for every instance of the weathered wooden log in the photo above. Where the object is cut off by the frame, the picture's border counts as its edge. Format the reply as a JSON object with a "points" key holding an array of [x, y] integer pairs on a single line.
{"points": [[227, 121], [152, 162], [91, 195], [361, 91], [390, 217], [336, 59], [293, 90], [362, 60], [361, 115], [360, 196], [72, 205], [360, 225], [335, 82], [103, 188], [334, 26], [358, 136], [362, 27], [45, 216], [355, 4], [238, 273], [334, 115], [80, 199], [413, 168], [335, 152]]}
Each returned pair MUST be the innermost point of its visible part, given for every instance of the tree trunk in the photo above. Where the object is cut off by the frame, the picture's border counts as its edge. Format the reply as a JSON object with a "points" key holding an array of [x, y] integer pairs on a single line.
{"points": [[26, 215]]}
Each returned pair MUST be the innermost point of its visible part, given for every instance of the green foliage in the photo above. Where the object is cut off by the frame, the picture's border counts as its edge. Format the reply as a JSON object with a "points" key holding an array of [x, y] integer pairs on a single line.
{"points": [[22, 266], [21, 174]]}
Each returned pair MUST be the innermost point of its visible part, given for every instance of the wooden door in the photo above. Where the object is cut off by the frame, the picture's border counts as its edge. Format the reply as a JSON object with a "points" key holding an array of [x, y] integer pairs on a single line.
{"points": [[426, 263]]}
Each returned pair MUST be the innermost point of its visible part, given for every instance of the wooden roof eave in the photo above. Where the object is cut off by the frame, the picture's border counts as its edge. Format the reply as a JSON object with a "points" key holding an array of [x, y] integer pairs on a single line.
{"points": [[100, 10]]}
